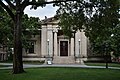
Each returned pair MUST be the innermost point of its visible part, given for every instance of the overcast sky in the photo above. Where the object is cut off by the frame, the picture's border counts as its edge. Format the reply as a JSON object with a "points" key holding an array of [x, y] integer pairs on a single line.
{"points": [[40, 12], [48, 11]]}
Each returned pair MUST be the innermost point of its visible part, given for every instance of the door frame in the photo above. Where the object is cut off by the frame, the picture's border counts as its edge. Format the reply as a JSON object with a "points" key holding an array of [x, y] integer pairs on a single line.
{"points": [[68, 46]]}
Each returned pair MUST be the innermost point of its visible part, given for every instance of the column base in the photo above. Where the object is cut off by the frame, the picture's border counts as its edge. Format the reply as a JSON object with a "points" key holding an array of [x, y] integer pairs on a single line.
{"points": [[49, 60], [79, 61]]}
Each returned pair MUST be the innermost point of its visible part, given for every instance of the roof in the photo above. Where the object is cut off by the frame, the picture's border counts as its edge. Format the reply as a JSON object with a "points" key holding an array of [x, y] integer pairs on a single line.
{"points": [[53, 20]]}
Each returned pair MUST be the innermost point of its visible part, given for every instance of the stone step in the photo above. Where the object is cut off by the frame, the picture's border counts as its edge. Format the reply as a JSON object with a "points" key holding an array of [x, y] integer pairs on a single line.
{"points": [[63, 60]]}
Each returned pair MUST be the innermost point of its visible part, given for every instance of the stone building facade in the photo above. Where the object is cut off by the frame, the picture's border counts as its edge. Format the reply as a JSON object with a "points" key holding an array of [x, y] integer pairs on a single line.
{"points": [[51, 44]]}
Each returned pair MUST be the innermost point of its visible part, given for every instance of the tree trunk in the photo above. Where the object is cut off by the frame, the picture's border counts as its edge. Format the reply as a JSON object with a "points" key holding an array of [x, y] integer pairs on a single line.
{"points": [[17, 56]]}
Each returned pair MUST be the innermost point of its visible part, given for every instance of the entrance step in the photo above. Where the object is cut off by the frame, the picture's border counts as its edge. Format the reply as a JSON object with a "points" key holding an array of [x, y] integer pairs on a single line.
{"points": [[63, 60]]}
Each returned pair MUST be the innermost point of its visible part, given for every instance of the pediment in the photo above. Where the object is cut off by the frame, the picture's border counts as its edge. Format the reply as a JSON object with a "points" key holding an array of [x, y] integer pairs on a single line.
{"points": [[49, 21]]}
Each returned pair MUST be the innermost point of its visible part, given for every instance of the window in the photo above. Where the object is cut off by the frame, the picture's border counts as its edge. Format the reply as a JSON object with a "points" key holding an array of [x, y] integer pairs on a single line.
{"points": [[30, 49]]}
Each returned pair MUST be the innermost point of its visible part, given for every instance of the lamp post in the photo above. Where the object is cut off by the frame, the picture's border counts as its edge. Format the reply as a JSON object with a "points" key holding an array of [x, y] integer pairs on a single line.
{"points": [[79, 50], [48, 46], [49, 59]]}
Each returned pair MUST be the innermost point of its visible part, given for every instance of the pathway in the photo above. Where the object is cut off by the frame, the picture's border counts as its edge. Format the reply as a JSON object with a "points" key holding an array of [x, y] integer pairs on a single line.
{"points": [[54, 65]]}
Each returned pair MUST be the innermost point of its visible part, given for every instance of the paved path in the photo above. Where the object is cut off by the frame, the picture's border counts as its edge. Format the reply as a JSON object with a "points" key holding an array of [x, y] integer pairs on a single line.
{"points": [[54, 65]]}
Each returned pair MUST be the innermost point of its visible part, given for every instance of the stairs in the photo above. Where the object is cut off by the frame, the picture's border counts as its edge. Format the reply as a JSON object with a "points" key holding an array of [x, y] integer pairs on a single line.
{"points": [[63, 60]]}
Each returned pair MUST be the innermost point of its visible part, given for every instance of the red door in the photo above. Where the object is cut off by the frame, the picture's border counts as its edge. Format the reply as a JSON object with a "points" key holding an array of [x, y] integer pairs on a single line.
{"points": [[63, 48]]}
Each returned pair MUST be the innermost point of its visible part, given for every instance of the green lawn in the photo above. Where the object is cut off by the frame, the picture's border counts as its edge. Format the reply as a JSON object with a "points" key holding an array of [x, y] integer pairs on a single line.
{"points": [[62, 74], [103, 64]]}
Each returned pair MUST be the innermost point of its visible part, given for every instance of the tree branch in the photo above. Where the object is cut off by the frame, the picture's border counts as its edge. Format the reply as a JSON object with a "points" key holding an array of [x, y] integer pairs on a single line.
{"points": [[10, 4], [8, 10], [24, 4], [42, 3]]}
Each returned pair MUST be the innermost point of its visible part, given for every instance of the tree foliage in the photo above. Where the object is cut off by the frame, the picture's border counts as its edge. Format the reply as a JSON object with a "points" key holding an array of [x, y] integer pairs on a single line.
{"points": [[6, 28], [98, 18], [29, 25]]}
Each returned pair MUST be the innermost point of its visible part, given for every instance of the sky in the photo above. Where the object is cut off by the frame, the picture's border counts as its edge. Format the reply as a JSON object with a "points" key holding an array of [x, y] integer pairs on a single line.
{"points": [[48, 11], [40, 12]]}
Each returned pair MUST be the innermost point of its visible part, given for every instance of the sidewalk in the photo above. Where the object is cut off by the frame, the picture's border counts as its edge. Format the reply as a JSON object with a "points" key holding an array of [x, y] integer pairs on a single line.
{"points": [[54, 65]]}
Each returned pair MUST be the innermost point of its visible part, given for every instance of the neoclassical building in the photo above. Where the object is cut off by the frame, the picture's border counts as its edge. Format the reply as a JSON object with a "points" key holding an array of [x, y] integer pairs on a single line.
{"points": [[51, 44]]}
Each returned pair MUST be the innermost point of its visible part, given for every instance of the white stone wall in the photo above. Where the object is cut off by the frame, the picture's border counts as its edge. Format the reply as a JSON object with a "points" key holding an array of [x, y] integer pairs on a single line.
{"points": [[80, 46], [37, 48], [83, 45]]}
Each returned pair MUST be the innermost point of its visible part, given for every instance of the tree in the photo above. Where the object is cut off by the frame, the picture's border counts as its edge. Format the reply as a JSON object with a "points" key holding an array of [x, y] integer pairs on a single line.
{"points": [[115, 39], [6, 31], [29, 25], [15, 9], [16, 16], [71, 15], [29, 28], [98, 18]]}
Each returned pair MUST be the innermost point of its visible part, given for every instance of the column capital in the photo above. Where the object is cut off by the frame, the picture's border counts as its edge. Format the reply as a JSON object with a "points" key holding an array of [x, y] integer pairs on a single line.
{"points": [[55, 30]]}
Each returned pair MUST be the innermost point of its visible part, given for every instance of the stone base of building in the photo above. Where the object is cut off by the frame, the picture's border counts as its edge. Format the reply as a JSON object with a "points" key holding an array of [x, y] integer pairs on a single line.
{"points": [[63, 60], [58, 60]]}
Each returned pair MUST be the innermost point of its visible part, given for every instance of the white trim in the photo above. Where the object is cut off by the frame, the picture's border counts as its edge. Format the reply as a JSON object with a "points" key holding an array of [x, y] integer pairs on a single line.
{"points": [[31, 59], [68, 47], [31, 54]]}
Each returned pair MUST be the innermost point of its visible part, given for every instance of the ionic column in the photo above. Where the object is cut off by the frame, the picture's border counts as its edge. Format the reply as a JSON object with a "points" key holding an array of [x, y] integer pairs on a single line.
{"points": [[44, 41], [77, 46], [72, 46], [50, 46], [55, 43]]}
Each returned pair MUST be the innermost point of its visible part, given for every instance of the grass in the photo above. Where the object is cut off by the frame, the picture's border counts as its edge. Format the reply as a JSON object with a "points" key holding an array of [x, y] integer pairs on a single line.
{"points": [[62, 74], [103, 64]]}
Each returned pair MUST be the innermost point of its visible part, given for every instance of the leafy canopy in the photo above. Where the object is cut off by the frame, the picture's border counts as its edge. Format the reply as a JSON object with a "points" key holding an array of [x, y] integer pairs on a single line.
{"points": [[98, 18], [29, 25]]}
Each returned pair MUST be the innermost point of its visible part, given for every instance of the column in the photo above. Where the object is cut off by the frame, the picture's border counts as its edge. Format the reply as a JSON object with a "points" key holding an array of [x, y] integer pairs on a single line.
{"points": [[44, 41], [72, 46], [84, 45], [77, 37], [50, 46], [55, 43]]}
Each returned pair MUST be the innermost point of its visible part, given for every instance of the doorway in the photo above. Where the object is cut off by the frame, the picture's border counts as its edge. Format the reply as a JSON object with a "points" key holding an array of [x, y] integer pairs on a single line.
{"points": [[63, 48]]}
